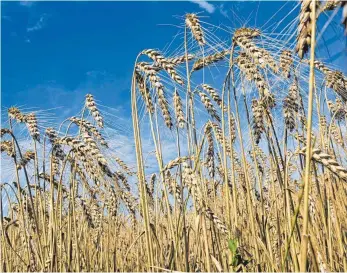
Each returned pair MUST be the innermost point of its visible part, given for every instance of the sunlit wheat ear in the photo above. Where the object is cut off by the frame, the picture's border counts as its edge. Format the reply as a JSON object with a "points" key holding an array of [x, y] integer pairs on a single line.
{"points": [[219, 136], [152, 181], [145, 93], [90, 104], [291, 107], [304, 29], [269, 60], [210, 59], [87, 213], [178, 109], [232, 128], [243, 38], [258, 121], [180, 60], [249, 69], [246, 32], [222, 174], [329, 5], [210, 151], [214, 95], [175, 162], [334, 79], [129, 201], [286, 62], [328, 162], [31, 123], [124, 166], [174, 189], [28, 155], [335, 132], [85, 125], [6, 146], [94, 150], [149, 195], [4, 131], [163, 63], [214, 218], [209, 106], [82, 154], [123, 179], [191, 181], [323, 125], [337, 109], [16, 114], [57, 149], [193, 23], [159, 87], [112, 203]]}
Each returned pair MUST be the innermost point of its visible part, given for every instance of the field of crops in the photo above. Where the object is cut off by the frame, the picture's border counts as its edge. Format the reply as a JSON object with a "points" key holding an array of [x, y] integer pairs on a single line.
{"points": [[258, 180]]}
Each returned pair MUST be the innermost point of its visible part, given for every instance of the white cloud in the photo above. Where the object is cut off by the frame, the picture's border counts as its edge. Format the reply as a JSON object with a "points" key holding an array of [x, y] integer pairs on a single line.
{"points": [[204, 5], [26, 3], [39, 24]]}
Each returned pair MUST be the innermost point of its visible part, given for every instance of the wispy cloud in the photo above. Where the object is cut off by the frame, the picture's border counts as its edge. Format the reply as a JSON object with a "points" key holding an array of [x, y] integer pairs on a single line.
{"points": [[39, 24], [205, 5], [223, 11], [26, 3]]}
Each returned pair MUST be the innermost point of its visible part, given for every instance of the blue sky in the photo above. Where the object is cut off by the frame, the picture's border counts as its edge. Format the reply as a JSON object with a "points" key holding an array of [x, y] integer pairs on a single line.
{"points": [[53, 53], [53, 50]]}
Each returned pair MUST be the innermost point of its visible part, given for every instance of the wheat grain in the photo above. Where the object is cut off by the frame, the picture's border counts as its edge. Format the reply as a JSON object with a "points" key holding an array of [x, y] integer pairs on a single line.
{"points": [[291, 107], [214, 95], [162, 62], [193, 22], [88, 127], [258, 122], [145, 93], [155, 81], [28, 155], [286, 62], [6, 146], [91, 105], [304, 28], [180, 59], [210, 151], [14, 113], [209, 106], [31, 123], [210, 59], [178, 109], [328, 162]]}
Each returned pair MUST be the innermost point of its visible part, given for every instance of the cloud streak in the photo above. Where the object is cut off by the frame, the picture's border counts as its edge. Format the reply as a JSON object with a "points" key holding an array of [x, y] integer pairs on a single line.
{"points": [[39, 24], [205, 5], [26, 3]]}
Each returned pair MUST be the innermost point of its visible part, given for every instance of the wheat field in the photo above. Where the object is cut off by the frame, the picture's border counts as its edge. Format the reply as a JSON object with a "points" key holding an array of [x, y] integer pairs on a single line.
{"points": [[252, 178]]}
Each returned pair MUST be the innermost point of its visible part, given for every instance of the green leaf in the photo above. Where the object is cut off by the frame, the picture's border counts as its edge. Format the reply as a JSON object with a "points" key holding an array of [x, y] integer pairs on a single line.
{"points": [[232, 245]]}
